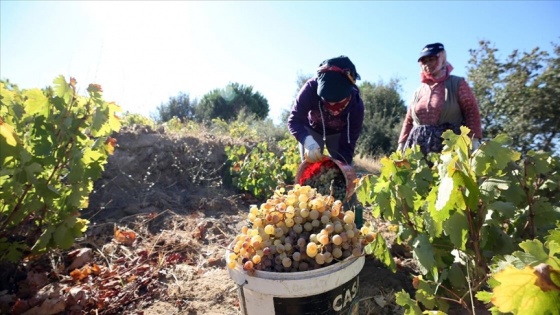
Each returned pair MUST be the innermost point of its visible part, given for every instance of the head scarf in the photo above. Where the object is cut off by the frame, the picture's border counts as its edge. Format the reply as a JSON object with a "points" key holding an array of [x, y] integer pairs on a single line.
{"points": [[443, 71]]}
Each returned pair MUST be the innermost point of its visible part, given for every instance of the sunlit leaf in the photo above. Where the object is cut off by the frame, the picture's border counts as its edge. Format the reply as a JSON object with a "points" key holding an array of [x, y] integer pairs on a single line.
{"points": [[518, 293], [410, 306], [36, 103], [62, 89]]}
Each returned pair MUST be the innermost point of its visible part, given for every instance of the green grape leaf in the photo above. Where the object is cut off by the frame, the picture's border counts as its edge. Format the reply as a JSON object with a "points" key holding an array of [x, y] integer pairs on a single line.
{"points": [[492, 188], [518, 293], [494, 156], [449, 197], [114, 121], [484, 296], [424, 253], [445, 194], [472, 193], [36, 103], [410, 306], [457, 227], [387, 168], [554, 253], [9, 141], [546, 214], [535, 253], [506, 209], [99, 127], [496, 240], [364, 189], [380, 250], [433, 227], [407, 194], [459, 143], [62, 89], [44, 240], [538, 162], [7, 98], [457, 277], [554, 235], [423, 180]]}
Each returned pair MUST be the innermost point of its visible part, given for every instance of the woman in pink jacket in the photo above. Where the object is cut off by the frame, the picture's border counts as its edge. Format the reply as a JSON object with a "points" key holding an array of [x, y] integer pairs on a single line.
{"points": [[442, 102]]}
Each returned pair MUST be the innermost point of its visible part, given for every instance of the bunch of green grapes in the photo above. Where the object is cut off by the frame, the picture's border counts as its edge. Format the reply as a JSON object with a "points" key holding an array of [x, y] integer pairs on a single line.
{"points": [[328, 181], [297, 231]]}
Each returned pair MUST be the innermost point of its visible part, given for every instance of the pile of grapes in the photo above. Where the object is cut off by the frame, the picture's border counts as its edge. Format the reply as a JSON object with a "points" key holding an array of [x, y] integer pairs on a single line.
{"points": [[297, 231], [329, 180]]}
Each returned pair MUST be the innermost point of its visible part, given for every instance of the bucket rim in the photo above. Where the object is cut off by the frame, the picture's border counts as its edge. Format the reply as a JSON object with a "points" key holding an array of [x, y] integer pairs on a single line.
{"points": [[271, 275]]}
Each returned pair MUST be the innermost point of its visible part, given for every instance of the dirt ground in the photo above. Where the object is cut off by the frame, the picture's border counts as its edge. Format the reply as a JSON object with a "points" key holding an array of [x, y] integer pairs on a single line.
{"points": [[161, 218]]}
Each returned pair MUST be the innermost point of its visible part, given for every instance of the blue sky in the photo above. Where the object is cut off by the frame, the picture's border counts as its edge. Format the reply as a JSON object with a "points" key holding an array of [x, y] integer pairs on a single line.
{"points": [[144, 52]]}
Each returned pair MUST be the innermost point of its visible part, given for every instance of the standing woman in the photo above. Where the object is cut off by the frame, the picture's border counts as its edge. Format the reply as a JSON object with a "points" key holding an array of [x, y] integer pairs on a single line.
{"points": [[328, 112], [443, 101]]}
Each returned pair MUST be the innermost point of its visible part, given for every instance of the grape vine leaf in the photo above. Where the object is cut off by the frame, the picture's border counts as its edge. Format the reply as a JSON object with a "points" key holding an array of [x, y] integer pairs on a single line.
{"points": [[380, 250], [425, 294], [433, 227], [518, 293], [495, 156], [36, 103], [62, 89], [554, 235], [9, 141], [458, 143], [364, 189], [449, 197], [410, 306], [535, 253], [505, 208], [423, 251], [457, 227]]}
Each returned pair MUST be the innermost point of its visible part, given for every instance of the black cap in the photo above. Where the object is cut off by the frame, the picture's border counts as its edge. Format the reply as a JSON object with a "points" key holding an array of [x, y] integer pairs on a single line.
{"points": [[431, 50], [334, 86]]}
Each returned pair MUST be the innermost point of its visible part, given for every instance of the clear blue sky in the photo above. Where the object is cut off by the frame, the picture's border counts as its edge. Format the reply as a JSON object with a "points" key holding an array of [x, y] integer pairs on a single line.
{"points": [[144, 52]]}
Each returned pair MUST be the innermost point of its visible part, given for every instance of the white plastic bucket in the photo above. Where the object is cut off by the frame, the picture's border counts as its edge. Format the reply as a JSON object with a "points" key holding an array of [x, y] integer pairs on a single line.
{"points": [[329, 290]]}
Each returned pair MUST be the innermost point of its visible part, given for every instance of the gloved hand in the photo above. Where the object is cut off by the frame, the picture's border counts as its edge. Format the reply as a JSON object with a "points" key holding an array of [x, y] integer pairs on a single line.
{"points": [[312, 150], [475, 144], [401, 146]]}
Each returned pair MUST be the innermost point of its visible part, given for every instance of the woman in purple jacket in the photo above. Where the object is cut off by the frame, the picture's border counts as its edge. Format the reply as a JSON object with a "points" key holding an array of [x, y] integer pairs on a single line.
{"points": [[328, 111]]}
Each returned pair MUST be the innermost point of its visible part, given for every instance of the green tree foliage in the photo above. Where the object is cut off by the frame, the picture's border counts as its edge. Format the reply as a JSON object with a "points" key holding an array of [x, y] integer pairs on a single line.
{"points": [[384, 110], [518, 96], [228, 103], [179, 106]]}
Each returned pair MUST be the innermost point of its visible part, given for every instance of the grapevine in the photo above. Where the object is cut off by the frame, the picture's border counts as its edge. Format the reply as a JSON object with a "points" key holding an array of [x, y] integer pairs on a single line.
{"points": [[298, 231], [465, 216], [54, 144]]}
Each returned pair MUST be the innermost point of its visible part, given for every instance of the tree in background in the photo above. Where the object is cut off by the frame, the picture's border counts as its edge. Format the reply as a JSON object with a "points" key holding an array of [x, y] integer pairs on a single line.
{"points": [[384, 111], [518, 97], [179, 106], [228, 103], [300, 81]]}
